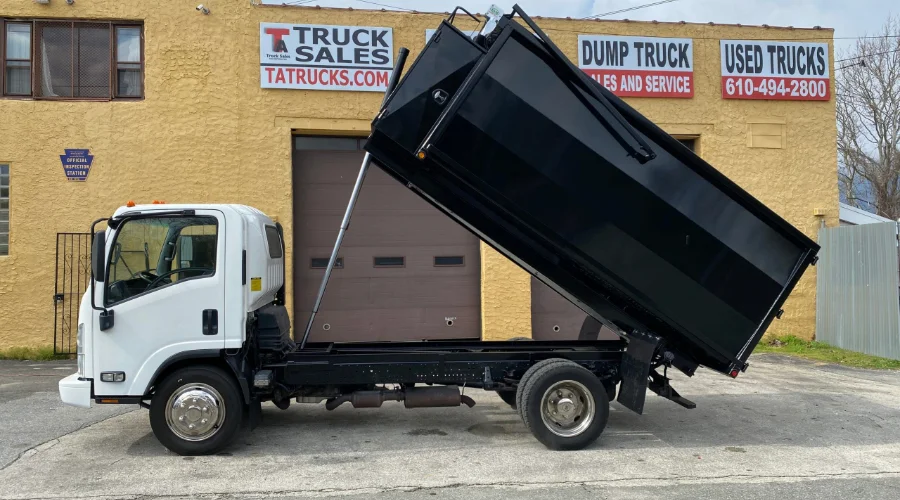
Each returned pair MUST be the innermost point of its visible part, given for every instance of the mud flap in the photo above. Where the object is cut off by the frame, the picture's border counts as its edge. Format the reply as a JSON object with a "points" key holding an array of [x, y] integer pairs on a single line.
{"points": [[254, 413], [635, 370]]}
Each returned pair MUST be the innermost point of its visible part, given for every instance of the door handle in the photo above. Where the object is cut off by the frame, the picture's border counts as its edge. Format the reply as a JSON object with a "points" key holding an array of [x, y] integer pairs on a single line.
{"points": [[210, 322]]}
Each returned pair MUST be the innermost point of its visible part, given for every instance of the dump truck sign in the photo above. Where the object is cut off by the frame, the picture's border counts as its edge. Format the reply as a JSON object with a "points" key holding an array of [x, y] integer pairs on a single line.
{"points": [[796, 71], [321, 57], [632, 66]]}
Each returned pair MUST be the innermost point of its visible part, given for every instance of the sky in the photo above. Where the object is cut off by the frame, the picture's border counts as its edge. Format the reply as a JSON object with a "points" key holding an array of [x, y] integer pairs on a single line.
{"points": [[849, 18]]}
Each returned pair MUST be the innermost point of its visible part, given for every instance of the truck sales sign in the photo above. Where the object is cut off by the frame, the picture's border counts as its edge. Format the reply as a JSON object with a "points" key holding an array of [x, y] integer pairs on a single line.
{"points": [[796, 71], [632, 66], [318, 57]]}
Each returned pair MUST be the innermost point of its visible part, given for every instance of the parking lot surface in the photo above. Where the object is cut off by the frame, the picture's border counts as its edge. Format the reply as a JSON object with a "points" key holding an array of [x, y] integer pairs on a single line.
{"points": [[785, 429]]}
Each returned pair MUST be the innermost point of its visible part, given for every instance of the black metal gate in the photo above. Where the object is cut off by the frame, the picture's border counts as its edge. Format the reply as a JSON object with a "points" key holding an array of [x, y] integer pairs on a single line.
{"points": [[73, 274]]}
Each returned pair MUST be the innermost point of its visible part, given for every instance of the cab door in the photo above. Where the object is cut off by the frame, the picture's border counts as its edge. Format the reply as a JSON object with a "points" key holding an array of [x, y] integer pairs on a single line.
{"points": [[165, 285]]}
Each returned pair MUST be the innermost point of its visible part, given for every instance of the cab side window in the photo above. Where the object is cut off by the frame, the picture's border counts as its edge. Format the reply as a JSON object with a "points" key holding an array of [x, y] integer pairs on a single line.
{"points": [[152, 253]]}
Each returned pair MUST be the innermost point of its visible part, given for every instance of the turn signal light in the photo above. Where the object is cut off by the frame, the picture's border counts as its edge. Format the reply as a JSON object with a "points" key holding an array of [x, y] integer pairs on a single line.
{"points": [[420, 155]]}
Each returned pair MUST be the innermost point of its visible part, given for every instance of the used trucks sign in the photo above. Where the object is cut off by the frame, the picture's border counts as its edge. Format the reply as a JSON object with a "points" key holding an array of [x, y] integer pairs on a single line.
{"points": [[795, 71], [320, 57], [632, 66]]}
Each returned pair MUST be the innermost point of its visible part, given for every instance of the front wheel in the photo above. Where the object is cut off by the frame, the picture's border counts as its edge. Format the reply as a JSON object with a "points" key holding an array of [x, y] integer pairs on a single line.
{"points": [[196, 411], [564, 405]]}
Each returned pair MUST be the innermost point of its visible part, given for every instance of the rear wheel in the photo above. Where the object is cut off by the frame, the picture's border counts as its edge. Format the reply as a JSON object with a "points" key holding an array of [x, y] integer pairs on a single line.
{"points": [[196, 411], [531, 371], [565, 406]]}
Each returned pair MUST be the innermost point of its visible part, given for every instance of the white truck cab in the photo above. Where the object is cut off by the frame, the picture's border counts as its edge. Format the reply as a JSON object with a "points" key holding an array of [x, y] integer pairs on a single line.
{"points": [[170, 282]]}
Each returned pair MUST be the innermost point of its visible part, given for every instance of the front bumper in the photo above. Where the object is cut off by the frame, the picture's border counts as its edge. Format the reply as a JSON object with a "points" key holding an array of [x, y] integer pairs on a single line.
{"points": [[75, 392]]}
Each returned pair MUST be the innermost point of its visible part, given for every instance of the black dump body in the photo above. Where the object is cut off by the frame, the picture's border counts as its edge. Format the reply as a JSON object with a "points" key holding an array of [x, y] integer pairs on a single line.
{"points": [[581, 190]]}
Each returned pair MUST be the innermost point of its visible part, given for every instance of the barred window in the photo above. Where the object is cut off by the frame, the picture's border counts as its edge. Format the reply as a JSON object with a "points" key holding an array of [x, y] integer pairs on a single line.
{"points": [[72, 59], [4, 209]]}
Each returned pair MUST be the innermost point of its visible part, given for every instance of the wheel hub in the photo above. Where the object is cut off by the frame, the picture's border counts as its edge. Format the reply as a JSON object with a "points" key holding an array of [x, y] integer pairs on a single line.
{"points": [[567, 408], [195, 412]]}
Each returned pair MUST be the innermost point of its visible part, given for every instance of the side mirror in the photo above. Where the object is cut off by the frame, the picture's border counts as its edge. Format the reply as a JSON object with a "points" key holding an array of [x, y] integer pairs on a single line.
{"points": [[98, 256]]}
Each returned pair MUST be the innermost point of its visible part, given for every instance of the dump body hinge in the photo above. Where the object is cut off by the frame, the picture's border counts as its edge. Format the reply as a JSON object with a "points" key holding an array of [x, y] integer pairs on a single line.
{"points": [[660, 385]]}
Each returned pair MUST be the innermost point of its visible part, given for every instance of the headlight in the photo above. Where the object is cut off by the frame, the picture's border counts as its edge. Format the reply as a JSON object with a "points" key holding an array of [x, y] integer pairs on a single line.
{"points": [[79, 349]]}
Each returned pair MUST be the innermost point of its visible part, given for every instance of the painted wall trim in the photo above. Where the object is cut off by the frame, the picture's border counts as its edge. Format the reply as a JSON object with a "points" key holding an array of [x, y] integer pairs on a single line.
{"points": [[325, 126]]}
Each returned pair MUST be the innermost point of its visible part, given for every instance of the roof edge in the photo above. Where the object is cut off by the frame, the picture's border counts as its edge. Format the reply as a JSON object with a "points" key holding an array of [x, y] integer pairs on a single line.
{"points": [[678, 23]]}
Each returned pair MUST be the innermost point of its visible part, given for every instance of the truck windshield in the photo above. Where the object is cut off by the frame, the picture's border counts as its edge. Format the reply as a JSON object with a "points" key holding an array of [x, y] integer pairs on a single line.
{"points": [[151, 253]]}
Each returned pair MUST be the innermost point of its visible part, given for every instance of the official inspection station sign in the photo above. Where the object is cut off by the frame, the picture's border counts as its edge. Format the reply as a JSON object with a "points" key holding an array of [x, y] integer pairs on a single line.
{"points": [[790, 71], [324, 57], [633, 66], [76, 164]]}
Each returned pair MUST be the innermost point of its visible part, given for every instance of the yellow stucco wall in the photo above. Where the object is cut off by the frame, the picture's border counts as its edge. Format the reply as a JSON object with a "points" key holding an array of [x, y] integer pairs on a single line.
{"points": [[207, 132]]}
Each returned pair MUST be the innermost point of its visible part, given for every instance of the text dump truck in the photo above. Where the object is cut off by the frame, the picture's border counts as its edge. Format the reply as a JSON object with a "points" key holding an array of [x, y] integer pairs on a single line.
{"points": [[186, 311]]}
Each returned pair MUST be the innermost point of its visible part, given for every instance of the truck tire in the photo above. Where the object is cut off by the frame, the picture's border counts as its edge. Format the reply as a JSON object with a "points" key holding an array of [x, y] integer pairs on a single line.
{"points": [[565, 406], [196, 411], [531, 371]]}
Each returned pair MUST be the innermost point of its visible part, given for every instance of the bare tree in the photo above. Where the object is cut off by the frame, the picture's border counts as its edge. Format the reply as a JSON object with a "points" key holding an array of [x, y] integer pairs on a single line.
{"points": [[868, 122]]}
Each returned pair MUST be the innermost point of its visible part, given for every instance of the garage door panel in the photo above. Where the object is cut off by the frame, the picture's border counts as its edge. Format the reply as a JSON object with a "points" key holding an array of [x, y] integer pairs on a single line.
{"points": [[419, 261], [393, 293], [329, 198], [326, 167], [372, 230], [338, 167], [397, 292], [368, 302], [553, 317], [342, 294], [391, 324]]}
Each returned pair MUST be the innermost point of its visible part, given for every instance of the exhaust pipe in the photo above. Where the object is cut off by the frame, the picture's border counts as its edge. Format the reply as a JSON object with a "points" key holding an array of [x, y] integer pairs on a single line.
{"points": [[364, 399], [416, 397]]}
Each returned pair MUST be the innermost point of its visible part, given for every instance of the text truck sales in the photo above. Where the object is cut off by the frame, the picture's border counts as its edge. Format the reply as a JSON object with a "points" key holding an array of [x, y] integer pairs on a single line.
{"points": [[320, 57]]}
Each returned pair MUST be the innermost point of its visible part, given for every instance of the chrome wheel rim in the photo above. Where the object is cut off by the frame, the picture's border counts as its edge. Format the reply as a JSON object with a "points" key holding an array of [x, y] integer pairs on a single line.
{"points": [[567, 408], [195, 412]]}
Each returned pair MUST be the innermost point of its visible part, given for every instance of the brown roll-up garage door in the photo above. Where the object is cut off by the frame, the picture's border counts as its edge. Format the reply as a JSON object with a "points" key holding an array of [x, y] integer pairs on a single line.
{"points": [[405, 271], [553, 317]]}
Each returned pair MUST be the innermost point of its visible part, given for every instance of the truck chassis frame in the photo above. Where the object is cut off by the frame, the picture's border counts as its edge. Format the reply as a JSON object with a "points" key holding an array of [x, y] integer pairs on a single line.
{"points": [[487, 365]]}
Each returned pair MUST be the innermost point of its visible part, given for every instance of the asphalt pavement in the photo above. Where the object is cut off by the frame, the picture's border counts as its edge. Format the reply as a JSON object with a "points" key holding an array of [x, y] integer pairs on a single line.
{"points": [[785, 429], [30, 410]]}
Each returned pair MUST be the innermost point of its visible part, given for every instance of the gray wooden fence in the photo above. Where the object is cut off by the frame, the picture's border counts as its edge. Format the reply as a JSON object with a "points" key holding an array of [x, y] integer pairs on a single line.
{"points": [[857, 280]]}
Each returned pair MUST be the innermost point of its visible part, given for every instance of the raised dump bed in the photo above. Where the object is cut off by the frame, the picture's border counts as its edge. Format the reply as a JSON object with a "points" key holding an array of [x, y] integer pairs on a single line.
{"points": [[507, 136]]}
